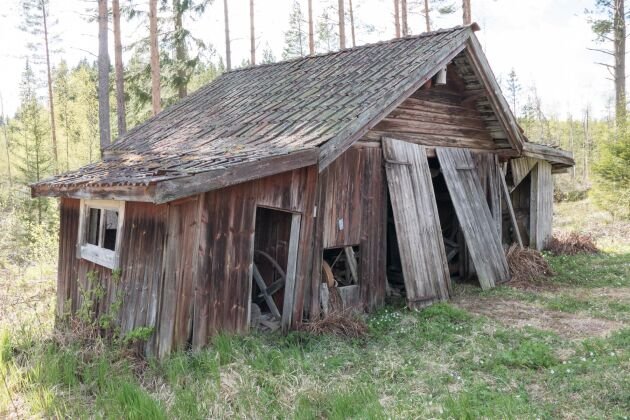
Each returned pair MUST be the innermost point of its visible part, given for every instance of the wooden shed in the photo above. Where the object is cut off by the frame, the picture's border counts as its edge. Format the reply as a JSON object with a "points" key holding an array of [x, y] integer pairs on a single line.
{"points": [[346, 176]]}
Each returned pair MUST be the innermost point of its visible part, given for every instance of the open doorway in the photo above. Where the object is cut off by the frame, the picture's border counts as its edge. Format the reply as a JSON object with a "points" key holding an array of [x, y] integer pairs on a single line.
{"points": [[276, 239]]}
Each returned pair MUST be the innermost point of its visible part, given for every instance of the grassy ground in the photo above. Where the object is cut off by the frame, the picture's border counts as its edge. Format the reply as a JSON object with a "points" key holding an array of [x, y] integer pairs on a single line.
{"points": [[560, 350]]}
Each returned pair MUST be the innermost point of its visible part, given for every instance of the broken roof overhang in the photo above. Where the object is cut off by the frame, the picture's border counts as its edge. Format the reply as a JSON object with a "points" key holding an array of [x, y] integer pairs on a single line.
{"points": [[558, 158]]}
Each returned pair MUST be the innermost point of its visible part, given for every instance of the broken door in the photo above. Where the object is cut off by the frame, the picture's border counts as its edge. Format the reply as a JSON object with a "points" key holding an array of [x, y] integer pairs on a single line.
{"points": [[422, 254], [475, 218]]}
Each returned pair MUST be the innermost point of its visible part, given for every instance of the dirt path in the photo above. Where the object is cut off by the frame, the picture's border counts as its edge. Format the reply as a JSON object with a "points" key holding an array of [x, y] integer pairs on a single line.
{"points": [[514, 313]]}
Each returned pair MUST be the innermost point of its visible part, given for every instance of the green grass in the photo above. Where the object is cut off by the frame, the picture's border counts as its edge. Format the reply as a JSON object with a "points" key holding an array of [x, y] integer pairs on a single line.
{"points": [[442, 362]]}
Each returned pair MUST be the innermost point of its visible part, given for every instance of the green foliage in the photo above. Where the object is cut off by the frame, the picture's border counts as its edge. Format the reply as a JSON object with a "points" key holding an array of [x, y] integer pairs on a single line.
{"points": [[138, 335], [295, 38], [612, 177]]}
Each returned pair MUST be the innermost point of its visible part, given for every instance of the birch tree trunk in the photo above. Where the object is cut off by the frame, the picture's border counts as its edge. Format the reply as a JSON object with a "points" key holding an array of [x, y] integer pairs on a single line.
{"points": [[155, 57], [181, 54], [342, 25], [103, 76], [120, 77], [228, 53], [53, 129], [252, 34], [6, 141]]}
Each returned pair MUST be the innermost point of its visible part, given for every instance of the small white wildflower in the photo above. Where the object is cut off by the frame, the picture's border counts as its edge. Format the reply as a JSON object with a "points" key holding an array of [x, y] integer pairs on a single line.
{"points": [[612, 353], [583, 359], [564, 362], [552, 371], [590, 353]]}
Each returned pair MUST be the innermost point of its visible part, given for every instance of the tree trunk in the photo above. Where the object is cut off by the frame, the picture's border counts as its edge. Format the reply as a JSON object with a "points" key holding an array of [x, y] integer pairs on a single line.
{"points": [[181, 55], [103, 76], [467, 14], [53, 129], [155, 57], [228, 53], [619, 23], [403, 17], [397, 18], [351, 10], [427, 19], [120, 77], [252, 34], [311, 32], [6, 141], [342, 25]]}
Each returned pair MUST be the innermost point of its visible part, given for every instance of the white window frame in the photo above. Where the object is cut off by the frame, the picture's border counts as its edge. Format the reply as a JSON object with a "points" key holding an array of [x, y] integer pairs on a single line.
{"points": [[97, 254]]}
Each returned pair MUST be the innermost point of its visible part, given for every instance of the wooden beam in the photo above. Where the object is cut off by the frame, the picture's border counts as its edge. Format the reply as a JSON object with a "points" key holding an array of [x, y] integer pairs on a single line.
{"points": [[292, 258], [508, 202], [120, 193], [557, 157]]}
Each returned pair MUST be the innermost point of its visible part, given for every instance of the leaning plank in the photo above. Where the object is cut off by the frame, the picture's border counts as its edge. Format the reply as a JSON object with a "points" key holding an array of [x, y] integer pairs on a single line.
{"points": [[422, 253], [541, 205], [351, 260], [475, 218], [289, 287], [508, 202]]}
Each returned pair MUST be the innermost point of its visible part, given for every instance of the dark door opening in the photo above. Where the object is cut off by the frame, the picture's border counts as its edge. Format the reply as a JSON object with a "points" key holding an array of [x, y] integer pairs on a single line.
{"points": [[276, 238]]}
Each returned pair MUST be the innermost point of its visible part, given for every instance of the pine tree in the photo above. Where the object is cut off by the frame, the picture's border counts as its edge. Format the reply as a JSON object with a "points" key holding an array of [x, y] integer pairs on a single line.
{"points": [[608, 23], [327, 37], [611, 189], [120, 77], [513, 88], [34, 153], [156, 100], [4, 122], [295, 38], [65, 113], [36, 21], [103, 76]]}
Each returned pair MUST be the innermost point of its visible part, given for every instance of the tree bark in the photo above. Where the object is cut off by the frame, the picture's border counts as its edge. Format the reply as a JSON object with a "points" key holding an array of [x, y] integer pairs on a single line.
{"points": [[342, 25], [403, 17], [228, 53], [103, 76], [467, 14], [619, 23], [351, 10], [181, 55], [427, 19], [53, 129], [311, 32], [155, 57], [252, 34], [6, 141], [397, 18], [120, 77]]}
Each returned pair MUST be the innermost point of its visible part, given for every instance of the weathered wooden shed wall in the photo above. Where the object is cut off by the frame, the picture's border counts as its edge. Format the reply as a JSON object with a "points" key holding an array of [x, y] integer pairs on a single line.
{"points": [[352, 189], [137, 287], [541, 205], [226, 245], [437, 116]]}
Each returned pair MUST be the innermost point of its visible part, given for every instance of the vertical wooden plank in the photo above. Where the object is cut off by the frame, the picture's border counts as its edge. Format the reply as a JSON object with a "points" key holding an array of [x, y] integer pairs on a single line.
{"points": [[292, 261], [482, 239], [417, 223], [541, 205]]}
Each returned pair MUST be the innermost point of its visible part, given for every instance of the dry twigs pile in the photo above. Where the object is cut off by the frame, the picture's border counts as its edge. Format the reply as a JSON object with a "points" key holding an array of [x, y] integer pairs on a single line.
{"points": [[338, 323], [572, 243], [527, 265]]}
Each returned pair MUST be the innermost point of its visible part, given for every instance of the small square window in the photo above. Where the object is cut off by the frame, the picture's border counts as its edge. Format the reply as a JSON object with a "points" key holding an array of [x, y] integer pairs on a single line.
{"points": [[99, 231]]}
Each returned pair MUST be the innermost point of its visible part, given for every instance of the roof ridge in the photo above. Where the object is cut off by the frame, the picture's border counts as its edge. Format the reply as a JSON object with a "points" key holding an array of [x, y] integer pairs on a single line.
{"points": [[473, 26]]}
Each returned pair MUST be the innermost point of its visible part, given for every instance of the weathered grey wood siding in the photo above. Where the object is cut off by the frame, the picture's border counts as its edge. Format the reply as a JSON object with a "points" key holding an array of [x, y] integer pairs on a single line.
{"points": [[475, 218], [224, 267], [422, 254], [541, 205], [352, 189]]}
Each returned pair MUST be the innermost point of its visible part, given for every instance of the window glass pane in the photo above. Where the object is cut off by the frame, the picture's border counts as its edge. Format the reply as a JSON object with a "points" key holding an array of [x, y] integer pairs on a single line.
{"points": [[111, 229], [93, 226]]}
